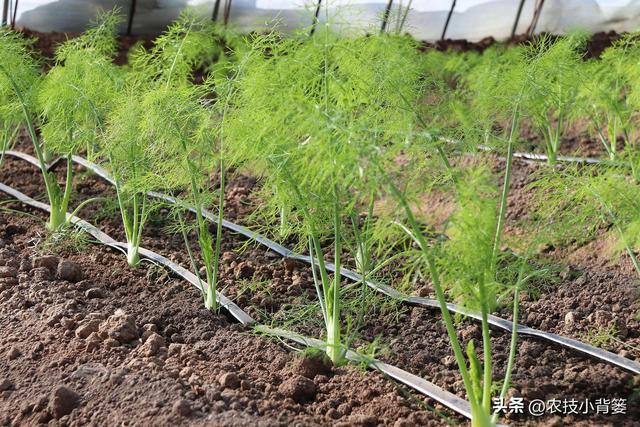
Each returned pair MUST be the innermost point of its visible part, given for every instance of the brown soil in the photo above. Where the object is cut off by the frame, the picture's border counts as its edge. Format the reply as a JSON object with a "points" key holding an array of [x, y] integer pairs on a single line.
{"points": [[594, 48], [133, 346], [272, 289]]}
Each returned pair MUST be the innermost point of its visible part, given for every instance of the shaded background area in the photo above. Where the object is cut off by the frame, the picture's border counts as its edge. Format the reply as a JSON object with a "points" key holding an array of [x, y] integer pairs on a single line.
{"points": [[469, 19]]}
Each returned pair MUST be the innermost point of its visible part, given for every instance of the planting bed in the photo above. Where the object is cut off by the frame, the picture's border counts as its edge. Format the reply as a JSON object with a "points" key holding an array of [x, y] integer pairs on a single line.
{"points": [[76, 346], [256, 167], [269, 287]]}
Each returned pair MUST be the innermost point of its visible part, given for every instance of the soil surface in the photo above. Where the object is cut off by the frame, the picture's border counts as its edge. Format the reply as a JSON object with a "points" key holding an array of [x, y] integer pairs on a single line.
{"points": [[585, 302], [89, 340]]}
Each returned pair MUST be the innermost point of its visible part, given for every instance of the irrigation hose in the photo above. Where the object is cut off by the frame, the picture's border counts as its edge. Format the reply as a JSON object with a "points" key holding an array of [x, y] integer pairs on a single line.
{"points": [[495, 321], [419, 384], [107, 240], [543, 157], [536, 158]]}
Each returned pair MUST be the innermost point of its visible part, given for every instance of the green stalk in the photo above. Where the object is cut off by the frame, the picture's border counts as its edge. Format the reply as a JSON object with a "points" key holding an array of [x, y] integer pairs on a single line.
{"points": [[132, 230], [50, 183], [362, 264], [216, 255], [84, 203], [334, 348], [486, 348], [133, 258], [513, 347], [612, 138], [58, 214], [192, 259], [363, 256], [331, 313], [558, 133], [603, 140], [205, 243], [332, 324], [316, 284], [552, 155], [502, 212], [416, 234], [124, 213]]}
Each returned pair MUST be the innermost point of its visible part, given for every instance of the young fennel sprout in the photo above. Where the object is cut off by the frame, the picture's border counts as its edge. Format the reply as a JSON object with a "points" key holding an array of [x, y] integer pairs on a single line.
{"points": [[74, 99], [145, 120], [309, 116]]}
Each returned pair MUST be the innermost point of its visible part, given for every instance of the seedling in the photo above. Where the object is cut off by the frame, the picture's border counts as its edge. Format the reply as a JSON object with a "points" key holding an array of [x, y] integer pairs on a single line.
{"points": [[20, 82], [310, 115], [468, 265], [604, 97], [146, 125], [186, 143], [74, 99], [555, 67]]}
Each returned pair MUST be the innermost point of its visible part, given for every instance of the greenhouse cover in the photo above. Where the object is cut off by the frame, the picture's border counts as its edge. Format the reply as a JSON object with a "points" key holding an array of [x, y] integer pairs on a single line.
{"points": [[470, 19]]}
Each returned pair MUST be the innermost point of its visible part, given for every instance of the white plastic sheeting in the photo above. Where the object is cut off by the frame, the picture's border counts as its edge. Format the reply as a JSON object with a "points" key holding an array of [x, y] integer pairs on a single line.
{"points": [[471, 19]]}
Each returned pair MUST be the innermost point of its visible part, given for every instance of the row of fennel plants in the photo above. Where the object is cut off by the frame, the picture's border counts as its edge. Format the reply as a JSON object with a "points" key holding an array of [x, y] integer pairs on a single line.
{"points": [[329, 122], [331, 125], [146, 122], [599, 95]]}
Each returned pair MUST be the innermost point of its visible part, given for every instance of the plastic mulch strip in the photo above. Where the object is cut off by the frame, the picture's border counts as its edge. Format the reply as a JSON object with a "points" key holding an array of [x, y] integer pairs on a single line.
{"points": [[495, 321], [419, 384]]}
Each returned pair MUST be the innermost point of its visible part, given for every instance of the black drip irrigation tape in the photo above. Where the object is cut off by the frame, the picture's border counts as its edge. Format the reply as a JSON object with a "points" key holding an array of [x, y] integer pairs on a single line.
{"points": [[564, 159], [495, 321], [535, 157], [107, 240], [418, 384]]}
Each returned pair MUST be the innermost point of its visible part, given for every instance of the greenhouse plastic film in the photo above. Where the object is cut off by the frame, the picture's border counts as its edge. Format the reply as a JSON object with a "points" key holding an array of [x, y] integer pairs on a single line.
{"points": [[470, 19]]}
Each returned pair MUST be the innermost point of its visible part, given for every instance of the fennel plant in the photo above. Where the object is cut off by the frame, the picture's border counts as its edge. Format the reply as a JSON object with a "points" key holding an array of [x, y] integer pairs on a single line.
{"points": [[468, 267], [145, 120], [604, 97], [557, 77], [310, 115], [74, 99], [20, 79]]}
